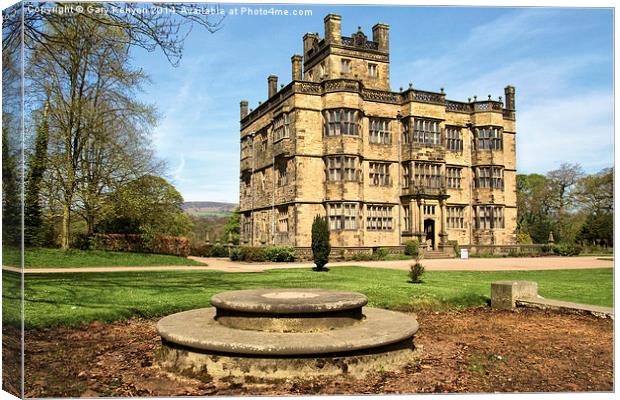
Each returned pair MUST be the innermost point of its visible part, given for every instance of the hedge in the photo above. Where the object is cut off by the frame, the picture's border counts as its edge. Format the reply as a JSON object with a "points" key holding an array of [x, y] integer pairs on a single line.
{"points": [[173, 245]]}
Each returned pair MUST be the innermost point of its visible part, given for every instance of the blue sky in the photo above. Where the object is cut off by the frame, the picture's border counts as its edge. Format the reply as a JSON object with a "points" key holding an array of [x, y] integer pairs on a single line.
{"points": [[559, 59]]}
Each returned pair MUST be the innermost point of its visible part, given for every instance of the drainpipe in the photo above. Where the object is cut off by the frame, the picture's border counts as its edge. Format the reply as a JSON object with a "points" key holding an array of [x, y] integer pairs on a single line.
{"points": [[252, 187], [471, 183], [273, 200], [399, 117]]}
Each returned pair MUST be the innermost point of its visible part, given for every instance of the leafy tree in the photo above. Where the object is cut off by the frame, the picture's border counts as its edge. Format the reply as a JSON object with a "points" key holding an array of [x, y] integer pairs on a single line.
{"points": [[595, 193], [80, 62], [149, 206], [232, 229], [597, 229], [37, 166], [320, 242], [534, 207]]}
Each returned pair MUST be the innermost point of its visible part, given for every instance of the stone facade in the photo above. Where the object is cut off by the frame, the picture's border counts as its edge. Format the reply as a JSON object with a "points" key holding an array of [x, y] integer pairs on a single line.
{"points": [[383, 167]]}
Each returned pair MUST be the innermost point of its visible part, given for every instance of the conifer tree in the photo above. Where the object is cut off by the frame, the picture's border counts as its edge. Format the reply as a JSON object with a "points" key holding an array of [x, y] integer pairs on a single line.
{"points": [[320, 242]]}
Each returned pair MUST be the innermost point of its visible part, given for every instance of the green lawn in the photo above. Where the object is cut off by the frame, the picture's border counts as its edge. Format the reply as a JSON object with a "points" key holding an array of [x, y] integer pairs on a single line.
{"points": [[73, 298], [56, 258]]}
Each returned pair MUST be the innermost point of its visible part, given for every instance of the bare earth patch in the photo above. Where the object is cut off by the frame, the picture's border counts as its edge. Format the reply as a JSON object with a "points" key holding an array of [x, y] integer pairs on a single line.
{"points": [[476, 350]]}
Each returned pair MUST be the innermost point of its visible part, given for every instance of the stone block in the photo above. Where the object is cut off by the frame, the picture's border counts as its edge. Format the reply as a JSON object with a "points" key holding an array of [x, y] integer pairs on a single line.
{"points": [[505, 293]]}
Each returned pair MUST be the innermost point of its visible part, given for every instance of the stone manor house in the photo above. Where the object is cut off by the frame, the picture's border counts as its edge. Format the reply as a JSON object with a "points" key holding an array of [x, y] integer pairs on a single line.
{"points": [[382, 166]]}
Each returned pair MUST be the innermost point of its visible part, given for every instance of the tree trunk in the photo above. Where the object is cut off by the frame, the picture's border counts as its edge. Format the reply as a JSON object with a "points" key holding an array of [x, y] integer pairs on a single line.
{"points": [[65, 237]]}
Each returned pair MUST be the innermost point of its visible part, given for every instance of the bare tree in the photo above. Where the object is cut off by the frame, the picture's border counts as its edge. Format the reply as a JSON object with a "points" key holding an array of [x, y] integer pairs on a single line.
{"points": [[165, 30], [563, 181]]}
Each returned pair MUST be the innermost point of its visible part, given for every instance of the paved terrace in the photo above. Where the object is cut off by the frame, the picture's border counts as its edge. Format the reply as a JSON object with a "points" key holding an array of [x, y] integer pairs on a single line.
{"points": [[472, 264]]}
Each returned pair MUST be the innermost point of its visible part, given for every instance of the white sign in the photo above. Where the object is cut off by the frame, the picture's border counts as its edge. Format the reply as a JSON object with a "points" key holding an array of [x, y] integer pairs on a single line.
{"points": [[464, 254]]}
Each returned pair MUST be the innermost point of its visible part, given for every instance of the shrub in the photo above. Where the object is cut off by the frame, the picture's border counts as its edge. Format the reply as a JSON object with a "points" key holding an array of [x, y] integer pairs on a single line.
{"points": [[546, 248], [320, 242], [415, 271], [412, 248], [455, 247], [218, 251], [566, 249], [200, 249], [235, 254], [381, 253], [252, 254], [280, 253], [362, 257], [82, 241], [524, 238]]}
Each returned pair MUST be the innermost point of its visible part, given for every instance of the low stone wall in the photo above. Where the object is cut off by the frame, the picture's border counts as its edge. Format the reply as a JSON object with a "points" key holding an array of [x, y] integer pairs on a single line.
{"points": [[305, 253], [532, 249]]}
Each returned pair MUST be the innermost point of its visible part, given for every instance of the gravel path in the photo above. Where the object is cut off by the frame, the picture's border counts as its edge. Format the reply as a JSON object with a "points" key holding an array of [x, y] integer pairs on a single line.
{"points": [[472, 264]]}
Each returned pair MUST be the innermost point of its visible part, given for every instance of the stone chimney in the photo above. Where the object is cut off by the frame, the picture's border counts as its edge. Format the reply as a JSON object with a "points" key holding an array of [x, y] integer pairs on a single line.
{"points": [[243, 109], [272, 83], [381, 35], [296, 67], [309, 39], [332, 28], [509, 91]]}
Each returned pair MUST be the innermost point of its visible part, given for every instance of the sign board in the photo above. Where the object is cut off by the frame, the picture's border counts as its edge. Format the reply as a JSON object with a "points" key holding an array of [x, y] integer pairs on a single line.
{"points": [[464, 254]]}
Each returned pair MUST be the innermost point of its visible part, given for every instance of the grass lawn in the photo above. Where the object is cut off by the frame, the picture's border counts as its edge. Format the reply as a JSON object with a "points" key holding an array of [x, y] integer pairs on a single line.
{"points": [[73, 298], [56, 258]]}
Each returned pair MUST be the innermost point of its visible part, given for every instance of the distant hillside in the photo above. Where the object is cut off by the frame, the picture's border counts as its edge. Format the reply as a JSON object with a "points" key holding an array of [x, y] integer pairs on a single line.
{"points": [[208, 208]]}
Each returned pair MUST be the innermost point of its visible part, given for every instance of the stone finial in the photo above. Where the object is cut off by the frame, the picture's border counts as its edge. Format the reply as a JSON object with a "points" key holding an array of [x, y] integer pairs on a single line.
{"points": [[401, 88], [410, 85], [441, 90], [469, 99], [500, 99], [489, 97], [475, 98], [551, 240]]}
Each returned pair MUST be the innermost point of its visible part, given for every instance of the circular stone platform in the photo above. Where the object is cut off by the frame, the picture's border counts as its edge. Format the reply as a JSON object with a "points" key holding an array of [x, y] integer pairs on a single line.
{"points": [[285, 333]]}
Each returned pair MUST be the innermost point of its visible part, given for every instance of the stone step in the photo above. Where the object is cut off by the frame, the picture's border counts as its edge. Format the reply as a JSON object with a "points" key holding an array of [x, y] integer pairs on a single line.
{"points": [[436, 254]]}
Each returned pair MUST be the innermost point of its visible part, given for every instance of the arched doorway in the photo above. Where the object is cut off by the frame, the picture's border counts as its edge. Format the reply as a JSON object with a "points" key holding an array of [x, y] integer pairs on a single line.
{"points": [[429, 230]]}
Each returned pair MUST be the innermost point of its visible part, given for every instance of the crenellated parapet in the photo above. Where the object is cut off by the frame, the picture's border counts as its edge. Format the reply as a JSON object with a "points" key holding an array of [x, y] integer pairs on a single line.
{"points": [[411, 95]]}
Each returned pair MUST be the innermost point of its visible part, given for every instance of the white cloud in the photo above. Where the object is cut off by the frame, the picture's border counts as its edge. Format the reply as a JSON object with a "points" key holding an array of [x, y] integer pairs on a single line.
{"points": [[574, 129]]}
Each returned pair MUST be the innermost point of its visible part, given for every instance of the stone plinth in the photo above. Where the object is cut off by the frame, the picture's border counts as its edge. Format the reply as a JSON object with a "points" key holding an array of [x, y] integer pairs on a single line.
{"points": [[505, 293], [288, 310]]}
